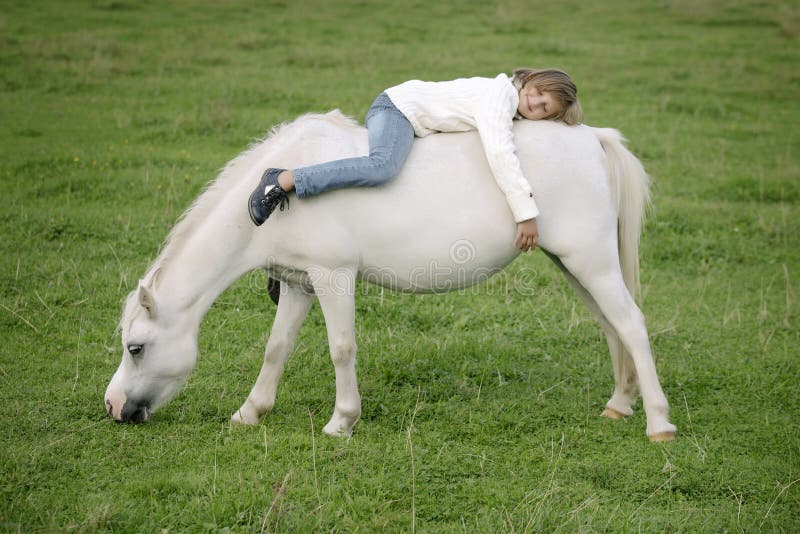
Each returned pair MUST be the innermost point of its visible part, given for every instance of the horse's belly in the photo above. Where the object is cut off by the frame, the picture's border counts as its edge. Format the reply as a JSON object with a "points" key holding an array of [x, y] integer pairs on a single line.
{"points": [[442, 224], [430, 277]]}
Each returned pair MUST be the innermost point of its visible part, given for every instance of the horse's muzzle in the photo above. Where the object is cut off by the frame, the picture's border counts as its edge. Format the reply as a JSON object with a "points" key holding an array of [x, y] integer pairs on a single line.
{"points": [[131, 412]]}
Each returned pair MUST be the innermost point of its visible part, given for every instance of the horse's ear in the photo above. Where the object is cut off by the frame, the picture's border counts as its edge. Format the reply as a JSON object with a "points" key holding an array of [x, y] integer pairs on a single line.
{"points": [[147, 301]]}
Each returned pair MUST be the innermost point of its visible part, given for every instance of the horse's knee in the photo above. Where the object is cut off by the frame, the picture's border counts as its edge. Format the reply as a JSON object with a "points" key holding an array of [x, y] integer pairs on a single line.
{"points": [[634, 327], [343, 351], [277, 347]]}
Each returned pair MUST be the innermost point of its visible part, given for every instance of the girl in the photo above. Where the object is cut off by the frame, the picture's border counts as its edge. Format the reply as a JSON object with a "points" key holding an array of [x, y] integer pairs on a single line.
{"points": [[487, 105]]}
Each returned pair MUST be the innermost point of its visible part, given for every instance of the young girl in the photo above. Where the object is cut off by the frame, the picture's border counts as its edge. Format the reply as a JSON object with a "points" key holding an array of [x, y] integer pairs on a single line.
{"points": [[487, 105]]}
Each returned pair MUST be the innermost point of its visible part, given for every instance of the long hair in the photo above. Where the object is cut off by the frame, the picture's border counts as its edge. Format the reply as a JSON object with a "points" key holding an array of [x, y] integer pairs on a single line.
{"points": [[558, 83]]}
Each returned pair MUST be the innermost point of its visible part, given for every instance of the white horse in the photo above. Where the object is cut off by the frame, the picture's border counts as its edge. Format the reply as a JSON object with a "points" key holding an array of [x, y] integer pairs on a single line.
{"points": [[592, 193]]}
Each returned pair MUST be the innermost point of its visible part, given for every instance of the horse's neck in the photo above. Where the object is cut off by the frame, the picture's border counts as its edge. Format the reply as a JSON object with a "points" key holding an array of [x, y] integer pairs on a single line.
{"points": [[209, 258]]}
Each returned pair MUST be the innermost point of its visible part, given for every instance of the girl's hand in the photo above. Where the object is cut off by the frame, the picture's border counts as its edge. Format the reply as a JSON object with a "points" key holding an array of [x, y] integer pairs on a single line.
{"points": [[527, 235]]}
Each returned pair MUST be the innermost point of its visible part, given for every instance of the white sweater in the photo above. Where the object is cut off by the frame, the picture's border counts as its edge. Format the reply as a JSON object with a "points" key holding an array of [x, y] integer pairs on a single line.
{"points": [[487, 105]]}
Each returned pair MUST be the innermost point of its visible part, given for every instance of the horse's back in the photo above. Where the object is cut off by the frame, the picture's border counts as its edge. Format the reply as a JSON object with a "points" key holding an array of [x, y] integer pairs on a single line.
{"points": [[443, 221]]}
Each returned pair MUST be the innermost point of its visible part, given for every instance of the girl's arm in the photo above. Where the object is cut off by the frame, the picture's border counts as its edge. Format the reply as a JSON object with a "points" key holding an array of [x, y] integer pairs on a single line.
{"points": [[494, 122]]}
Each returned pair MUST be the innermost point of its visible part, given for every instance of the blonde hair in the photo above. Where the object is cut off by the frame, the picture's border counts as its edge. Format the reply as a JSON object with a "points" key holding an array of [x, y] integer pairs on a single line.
{"points": [[558, 83]]}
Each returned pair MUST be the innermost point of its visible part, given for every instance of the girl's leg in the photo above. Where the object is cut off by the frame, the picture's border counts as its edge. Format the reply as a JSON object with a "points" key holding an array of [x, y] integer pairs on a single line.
{"points": [[390, 139]]}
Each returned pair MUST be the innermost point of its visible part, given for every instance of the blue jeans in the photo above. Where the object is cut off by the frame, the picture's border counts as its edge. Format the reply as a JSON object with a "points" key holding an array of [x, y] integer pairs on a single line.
{"points": [[390, 138]]}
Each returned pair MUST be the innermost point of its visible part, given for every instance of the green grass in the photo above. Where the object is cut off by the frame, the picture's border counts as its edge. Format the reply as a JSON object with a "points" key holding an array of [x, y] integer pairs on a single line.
{"points": [[480, 410]]}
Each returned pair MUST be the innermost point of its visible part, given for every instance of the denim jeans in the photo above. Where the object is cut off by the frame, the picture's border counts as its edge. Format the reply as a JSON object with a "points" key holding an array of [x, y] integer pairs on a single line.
{"points": [[390, 138]]}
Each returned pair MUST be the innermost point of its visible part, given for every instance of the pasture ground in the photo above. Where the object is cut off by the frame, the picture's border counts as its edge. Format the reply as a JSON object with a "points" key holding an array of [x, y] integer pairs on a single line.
{"points": [[481, 410]]}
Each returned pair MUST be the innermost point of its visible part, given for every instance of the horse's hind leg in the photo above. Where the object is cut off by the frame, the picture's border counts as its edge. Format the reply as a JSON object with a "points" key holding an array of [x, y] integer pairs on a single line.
{"points": [[599, 273], [626, 385], [625, 380], [292, 311]]}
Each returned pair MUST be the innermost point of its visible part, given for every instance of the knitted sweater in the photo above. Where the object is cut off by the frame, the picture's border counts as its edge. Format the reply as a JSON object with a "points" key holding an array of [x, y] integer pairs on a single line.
{"points": [[487, 105]]}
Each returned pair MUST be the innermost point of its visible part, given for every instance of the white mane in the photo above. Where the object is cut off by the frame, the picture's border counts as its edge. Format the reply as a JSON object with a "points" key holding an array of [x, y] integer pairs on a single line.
{"points": [[278, 139]]}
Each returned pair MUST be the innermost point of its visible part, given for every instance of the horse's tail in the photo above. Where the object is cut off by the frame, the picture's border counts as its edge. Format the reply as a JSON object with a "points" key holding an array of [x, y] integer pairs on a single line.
{"points": [[630, 189]]}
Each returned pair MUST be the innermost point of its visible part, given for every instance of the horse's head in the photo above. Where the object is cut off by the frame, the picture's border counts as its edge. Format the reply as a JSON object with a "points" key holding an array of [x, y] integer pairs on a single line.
{"points": [[159, 351]]}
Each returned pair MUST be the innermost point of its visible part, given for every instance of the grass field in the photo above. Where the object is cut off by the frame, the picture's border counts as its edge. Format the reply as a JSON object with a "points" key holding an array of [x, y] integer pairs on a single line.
{"points": [[481, 411]]}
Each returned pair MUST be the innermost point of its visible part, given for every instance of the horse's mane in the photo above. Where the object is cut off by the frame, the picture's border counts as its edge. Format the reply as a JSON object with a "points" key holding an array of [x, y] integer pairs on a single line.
{"points": [[276, 141]]}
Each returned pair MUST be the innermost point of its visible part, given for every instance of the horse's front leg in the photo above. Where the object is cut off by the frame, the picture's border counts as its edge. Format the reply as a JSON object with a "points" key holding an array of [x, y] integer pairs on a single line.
{"points": [[292, 311], [336, 294]]}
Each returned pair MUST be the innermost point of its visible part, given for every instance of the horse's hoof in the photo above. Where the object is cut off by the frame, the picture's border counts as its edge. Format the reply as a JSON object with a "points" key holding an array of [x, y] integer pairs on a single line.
{"points": [[340, 426], [611, 413], [241, 417], [237, 419], [662, 436], [336, 431]]}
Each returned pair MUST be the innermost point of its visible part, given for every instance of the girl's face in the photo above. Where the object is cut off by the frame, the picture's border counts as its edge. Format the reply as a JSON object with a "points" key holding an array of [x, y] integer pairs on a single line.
{"points": [[536, 105]]}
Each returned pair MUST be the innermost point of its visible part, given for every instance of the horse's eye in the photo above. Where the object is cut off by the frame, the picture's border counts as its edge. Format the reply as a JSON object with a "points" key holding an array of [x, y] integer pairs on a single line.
{"points": [[135, 350]]}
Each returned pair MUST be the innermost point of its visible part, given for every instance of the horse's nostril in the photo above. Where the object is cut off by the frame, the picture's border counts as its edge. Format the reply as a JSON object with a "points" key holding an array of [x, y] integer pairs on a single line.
{"points": [[109, 408]]}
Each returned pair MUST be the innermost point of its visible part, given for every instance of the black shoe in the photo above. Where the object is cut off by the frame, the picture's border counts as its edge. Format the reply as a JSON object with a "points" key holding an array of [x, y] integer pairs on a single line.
{"points": [[267, 196]]}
